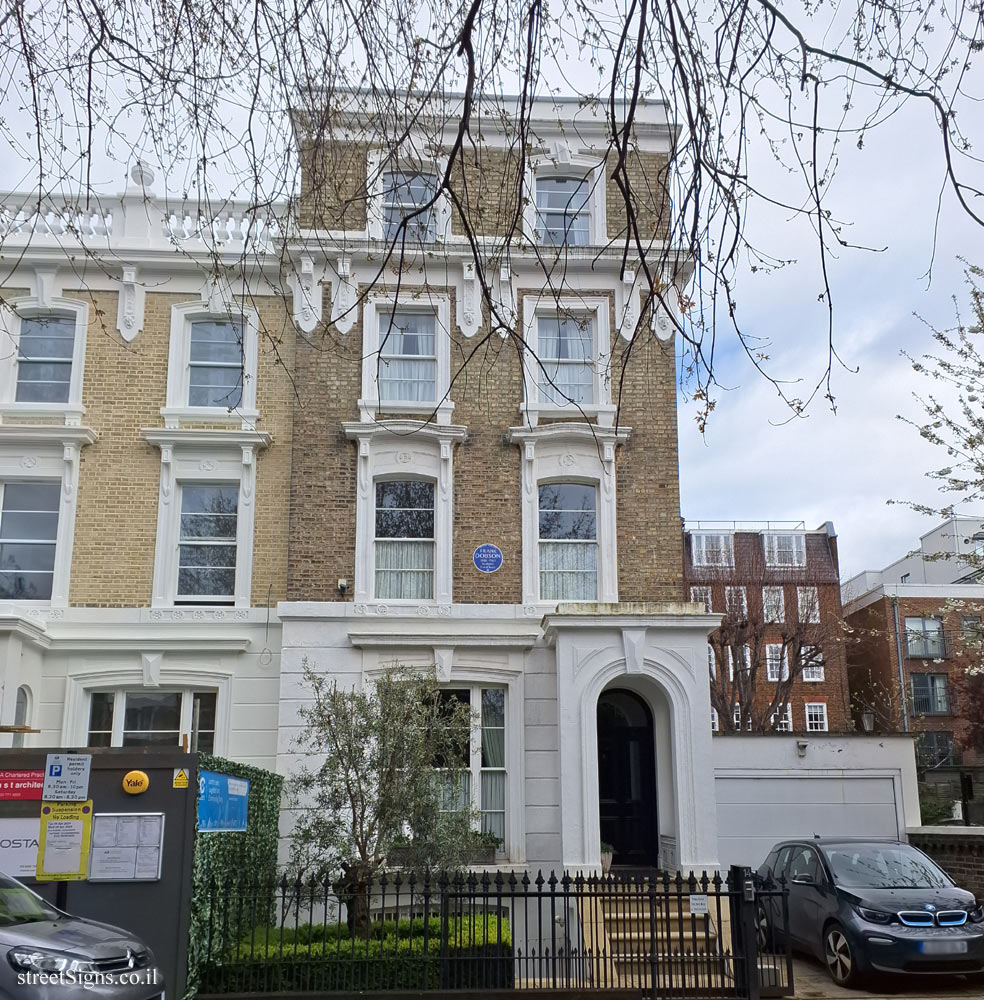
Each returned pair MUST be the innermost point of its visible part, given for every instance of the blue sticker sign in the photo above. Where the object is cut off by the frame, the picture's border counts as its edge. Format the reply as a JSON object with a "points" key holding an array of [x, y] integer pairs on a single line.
{"points": [[487, 558], [223, 803]]}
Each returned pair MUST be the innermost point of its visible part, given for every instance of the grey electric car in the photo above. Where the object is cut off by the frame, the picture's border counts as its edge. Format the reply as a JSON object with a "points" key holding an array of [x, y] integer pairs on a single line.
{"points": [[43, 950], [872, 905]]}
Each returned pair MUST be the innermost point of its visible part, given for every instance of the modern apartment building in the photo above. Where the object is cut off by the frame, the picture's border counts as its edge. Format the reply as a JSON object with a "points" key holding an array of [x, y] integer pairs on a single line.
{"points": [[145, 447], [777, 661], [917, 628]]}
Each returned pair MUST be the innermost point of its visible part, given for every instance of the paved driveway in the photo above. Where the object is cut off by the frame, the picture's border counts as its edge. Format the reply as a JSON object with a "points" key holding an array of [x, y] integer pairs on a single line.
{"points": [[813, 983]]}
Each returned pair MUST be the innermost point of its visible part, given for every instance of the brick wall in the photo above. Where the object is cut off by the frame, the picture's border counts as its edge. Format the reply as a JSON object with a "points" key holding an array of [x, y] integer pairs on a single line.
{"points": [[959, 851], [487, 392], [874, 662], [123, 390], [486, 184]]}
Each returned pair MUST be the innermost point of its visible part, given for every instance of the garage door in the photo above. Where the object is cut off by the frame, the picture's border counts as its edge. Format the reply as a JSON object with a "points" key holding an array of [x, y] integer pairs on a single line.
{"points": [[755, 813]]}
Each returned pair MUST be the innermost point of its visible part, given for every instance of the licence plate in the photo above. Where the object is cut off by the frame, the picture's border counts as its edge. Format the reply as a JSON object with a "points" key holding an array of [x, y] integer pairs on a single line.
{"points": [[943, 947]]}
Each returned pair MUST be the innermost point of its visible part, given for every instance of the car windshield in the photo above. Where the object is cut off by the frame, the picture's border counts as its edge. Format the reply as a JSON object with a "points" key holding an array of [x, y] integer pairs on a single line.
{"points": [[18, 905], [883, 866]]}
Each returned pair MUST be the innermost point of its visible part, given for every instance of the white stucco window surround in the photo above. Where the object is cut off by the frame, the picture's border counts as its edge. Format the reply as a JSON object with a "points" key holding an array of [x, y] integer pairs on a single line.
{"points": [[403, 451], [191, 459], [563, 212], [156, 674], [400, 181], [566, 358], [569, 453], [406, 354], [190, 361], [42, 356], [40, 456]]}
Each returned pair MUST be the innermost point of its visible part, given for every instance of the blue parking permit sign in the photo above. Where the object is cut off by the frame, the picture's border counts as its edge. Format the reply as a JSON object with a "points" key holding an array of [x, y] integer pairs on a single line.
{"points": [[487, 558], [223, 803]]}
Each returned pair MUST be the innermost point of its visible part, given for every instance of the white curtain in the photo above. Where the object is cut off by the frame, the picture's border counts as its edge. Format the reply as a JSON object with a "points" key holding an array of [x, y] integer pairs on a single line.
{"points": [[568, 571], [494, 803], [407, 381], [404, 570], [563, 381]]}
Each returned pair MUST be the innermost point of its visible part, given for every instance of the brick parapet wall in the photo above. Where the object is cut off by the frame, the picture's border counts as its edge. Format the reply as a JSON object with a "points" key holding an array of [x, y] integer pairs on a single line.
{"points": [[958, 850]]}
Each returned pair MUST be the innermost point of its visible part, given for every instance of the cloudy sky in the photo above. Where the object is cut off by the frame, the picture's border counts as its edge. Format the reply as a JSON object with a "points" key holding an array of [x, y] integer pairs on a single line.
{"points": [[752, 464]]}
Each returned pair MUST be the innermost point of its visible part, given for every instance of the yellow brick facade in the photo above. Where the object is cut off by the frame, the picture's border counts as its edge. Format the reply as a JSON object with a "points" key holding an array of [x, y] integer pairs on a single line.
{"points": [[123, 390]]}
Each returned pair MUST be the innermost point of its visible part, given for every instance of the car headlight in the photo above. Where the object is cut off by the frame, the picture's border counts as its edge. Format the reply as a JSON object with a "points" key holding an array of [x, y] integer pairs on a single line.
{"points": [[976, 915], [36, 960], [873, 916]]}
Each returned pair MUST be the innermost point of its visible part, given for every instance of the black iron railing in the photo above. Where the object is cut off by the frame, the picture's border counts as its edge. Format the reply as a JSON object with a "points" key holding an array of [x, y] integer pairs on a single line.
{"points": [[659, 934]]}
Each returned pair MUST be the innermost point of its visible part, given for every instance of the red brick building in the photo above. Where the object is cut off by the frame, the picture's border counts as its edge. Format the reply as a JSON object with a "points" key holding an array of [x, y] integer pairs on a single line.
{"points": [[910, 648], [777, 587]]}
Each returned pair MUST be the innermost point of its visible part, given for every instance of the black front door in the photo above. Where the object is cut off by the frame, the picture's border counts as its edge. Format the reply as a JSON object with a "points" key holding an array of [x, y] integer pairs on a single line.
{"points": [[627, 779]]}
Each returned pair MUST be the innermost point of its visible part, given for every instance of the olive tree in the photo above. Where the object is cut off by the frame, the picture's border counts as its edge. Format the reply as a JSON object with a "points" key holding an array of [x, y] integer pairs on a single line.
{"points": [[383, 766]]}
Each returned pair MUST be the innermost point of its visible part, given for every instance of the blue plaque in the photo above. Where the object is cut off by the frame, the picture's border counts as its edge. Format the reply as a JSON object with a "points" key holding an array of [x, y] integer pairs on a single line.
{"points": [[487, 558], [223, 803]]}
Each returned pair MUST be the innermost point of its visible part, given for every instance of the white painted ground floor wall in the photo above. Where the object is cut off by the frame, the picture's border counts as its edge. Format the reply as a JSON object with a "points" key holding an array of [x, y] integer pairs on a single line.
{"points": [[553, 665], [775, 787], [61, 657]]}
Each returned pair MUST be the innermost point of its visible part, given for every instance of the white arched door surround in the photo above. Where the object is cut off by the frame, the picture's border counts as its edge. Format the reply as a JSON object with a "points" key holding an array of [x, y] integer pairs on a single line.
{"points": [[659, 650]]}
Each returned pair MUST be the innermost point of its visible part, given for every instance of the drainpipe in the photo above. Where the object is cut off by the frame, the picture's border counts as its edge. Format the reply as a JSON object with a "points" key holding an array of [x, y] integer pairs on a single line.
{"points": [[898, 655]]}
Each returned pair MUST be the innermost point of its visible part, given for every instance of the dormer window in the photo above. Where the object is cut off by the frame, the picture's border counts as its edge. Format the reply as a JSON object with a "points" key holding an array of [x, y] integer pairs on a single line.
{"points": [[784, 549], [562, 212], [44, 358], [712, 549], [404, 192]]}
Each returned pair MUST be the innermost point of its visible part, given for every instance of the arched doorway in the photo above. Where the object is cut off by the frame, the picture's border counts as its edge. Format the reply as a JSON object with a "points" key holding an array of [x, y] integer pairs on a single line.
{"points": [[627, 778]]}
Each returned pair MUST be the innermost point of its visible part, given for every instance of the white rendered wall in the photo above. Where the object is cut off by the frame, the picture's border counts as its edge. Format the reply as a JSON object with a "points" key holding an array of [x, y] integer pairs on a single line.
{"points": [[774, 787]]}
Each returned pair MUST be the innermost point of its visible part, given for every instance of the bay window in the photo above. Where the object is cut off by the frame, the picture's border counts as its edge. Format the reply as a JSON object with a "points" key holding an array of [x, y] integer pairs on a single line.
{"points": [[565, 352], [152, 718], [562, 211], [407, 356], [207, 543], [404, 540], [568, 542], [28, 532], [404, 192]]}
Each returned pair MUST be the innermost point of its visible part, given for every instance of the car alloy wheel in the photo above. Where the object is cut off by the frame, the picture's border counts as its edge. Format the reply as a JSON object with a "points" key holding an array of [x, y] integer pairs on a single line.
{"points": [[838, 956]]}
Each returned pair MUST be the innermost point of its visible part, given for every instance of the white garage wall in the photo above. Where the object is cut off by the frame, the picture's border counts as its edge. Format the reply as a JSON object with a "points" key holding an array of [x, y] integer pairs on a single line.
{"points": [[771, 788]]}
